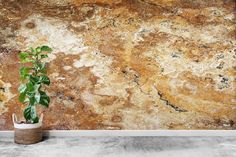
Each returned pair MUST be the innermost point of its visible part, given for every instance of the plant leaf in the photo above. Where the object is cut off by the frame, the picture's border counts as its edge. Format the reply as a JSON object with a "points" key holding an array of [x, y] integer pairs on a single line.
{"points": [[32, 101], [30, 86], [44, 56], [38, 49], [34, 79], [22, 97], [33, 113], [44, 99], [24, 72], [22, 88], [37, 97], [35, 120], [46, 48], [30, 114], [23, 55], [45, 80], [27, 113], [42, 68]]}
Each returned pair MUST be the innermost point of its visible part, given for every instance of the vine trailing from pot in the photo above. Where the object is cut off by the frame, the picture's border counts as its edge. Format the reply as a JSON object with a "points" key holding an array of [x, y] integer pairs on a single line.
{"points": [[33, 75]]}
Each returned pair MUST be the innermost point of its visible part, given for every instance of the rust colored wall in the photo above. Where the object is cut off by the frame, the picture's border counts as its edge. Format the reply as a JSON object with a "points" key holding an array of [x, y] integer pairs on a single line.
{"points": [[131, 64]]}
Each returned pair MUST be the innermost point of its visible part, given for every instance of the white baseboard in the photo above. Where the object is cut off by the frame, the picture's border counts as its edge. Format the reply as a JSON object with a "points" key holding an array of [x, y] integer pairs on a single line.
{"points": [[183, 133]]}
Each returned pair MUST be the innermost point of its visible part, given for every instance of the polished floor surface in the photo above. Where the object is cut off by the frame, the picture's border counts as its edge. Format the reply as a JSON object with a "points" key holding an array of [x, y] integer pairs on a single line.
{"points": [[123, 147]]}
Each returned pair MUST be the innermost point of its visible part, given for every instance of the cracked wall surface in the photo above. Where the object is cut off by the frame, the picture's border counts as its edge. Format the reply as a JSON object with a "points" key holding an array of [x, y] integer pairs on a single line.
{"points": [[131, 64]]}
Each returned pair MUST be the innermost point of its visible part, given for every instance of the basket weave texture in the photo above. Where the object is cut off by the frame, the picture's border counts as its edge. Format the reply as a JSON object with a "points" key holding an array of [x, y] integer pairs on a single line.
{"points": [[28, 136], [27, 133]]}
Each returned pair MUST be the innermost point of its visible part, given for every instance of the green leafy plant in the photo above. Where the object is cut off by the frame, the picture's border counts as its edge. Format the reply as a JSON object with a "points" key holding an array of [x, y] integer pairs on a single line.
{"points": [[33, 78]]}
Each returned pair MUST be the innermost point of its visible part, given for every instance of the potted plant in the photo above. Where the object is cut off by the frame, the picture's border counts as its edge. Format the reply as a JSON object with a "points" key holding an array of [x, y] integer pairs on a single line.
{"points": [[33, 94]]}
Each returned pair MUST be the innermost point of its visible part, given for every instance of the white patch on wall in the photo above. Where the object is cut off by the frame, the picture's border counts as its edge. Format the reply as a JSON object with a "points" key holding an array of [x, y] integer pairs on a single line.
{"points": [[56, 76], [5, 96], [52, 32], [67, 68], [97, 60]]}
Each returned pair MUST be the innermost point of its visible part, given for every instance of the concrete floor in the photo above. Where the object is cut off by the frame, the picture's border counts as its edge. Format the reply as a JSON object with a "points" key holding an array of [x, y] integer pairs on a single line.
{"points": [[123, 147]]}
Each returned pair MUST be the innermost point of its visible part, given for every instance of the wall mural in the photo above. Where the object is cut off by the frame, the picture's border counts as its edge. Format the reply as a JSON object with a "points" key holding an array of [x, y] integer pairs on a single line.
{"points": [[131, 64]]}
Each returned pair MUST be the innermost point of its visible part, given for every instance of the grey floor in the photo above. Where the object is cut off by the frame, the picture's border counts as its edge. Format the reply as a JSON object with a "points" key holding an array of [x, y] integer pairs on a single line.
{"points": [[123, 147]]}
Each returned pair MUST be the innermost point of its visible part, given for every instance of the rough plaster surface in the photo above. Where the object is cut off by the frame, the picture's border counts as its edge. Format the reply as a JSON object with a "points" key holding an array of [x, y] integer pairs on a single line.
{"points": [[143, 64], [123, 147]]}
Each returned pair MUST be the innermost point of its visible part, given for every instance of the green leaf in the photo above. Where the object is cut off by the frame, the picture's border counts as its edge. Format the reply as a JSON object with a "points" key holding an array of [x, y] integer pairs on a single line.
{"points": [[35, 120], [33, 113], [30, 86], [38, 49], [27, 113], [34, 79], [37, 97], [44, 99], [45, 80], [44, 56], [46, 48], [30, 94], [34, 117], [24, 72], [30, 114], [28, 60], [22, 88], [32, 101], [42, 68], [23, 55], [22, 97]]}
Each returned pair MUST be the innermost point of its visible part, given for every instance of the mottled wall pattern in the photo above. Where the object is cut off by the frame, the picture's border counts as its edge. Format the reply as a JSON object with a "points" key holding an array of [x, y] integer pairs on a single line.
{"points": [[125, 64]]}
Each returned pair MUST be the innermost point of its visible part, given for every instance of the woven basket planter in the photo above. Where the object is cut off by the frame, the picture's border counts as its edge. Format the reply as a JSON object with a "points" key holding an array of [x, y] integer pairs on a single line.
{"points": [[27, 133]]}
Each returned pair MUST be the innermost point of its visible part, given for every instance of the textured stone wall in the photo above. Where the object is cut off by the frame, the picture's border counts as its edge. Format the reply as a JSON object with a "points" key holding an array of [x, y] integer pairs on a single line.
{"points": [[131, 64]]}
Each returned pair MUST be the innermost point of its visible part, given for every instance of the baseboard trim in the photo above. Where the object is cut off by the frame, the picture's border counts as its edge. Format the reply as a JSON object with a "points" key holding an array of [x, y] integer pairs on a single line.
{"points": [[74, 133]]}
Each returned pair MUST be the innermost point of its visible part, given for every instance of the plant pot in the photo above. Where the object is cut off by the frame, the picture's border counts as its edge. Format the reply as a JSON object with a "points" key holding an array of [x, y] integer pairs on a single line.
{"points": [[27, 133]]}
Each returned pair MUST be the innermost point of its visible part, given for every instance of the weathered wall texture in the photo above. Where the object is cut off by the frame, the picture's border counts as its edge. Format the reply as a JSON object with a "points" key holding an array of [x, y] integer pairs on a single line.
{"points": [[131, 64]]}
